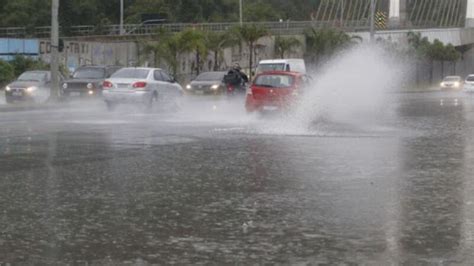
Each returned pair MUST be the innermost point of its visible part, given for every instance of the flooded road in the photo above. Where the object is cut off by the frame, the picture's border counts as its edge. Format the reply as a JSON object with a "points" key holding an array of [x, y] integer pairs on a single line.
{"points": [[83, 186]]}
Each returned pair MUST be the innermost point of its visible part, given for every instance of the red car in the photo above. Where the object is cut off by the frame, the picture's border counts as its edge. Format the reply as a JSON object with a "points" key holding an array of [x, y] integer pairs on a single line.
{"points": [[275, 90]]}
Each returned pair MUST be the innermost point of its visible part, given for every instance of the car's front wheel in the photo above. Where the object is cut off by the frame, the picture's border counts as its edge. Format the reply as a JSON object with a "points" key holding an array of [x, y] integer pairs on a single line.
{"points": [[151, 102]]}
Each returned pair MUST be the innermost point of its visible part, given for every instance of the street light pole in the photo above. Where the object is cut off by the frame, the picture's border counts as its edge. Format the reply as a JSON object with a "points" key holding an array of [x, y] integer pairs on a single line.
{"points": [[54, 95], [241, 12], [342, 13], [121, 18], [372, 20]]}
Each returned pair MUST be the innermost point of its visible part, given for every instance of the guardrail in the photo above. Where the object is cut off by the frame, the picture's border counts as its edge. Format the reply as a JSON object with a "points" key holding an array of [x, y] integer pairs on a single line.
{"points": [[284, 27]]}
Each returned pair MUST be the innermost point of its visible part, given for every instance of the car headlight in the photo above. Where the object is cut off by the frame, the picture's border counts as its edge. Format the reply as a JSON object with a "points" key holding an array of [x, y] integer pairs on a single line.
{"points": [[456, 84], [8, 88], [65, 86], [442, 84], [90, 86], [188, 87], [215, 87], [31, 89]]}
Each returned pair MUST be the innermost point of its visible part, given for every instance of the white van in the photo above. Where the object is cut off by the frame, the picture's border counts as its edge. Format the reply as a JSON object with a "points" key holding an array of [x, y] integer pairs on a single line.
{"points": [[293, 65]]}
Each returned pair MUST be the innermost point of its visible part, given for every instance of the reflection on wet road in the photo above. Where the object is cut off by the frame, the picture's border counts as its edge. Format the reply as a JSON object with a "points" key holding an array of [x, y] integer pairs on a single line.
{"points": [[81, 186]]}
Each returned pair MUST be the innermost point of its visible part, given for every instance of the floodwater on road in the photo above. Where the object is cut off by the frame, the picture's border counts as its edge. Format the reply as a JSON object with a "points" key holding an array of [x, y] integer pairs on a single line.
{"points": [[212, 185]]}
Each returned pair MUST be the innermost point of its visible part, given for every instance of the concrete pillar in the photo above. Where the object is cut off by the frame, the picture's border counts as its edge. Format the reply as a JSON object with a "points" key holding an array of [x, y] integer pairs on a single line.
{"points": [[397, 13], [394, 13], [470, 14]]}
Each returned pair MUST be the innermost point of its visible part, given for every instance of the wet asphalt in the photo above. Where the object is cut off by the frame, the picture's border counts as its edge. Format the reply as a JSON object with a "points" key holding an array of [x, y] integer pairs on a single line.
{"points": [[212, 185]]}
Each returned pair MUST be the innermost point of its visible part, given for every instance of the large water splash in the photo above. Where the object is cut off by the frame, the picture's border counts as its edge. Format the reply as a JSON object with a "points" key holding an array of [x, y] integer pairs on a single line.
{"points": [[354, 89]]}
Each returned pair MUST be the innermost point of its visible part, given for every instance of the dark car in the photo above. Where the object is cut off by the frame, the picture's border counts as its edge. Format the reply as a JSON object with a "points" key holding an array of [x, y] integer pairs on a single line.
{"points": [[31, 86], [87, 81], [207, 83]]}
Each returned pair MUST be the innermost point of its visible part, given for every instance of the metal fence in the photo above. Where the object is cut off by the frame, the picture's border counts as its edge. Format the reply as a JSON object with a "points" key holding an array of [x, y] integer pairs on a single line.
{"points": [[285, 27], [348, 15]]}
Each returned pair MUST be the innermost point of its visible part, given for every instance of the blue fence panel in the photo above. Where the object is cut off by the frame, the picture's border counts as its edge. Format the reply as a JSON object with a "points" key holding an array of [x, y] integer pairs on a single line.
{"points": [[3, 46], [9, 47], [15, 46], [32, 47]]}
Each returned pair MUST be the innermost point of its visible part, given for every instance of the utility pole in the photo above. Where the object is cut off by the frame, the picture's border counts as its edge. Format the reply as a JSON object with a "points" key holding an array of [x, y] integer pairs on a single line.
{"points": [[121, 18], [54, 51], [241, 12], [372, 20], [342, 13]]}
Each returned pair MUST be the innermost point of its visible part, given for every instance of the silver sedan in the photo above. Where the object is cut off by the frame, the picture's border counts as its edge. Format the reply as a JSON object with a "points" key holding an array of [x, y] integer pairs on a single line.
{"points": [[143, 86]]}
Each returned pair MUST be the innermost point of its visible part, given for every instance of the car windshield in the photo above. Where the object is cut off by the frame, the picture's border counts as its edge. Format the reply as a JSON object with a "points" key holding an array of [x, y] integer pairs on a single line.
{"points": [[274, 81], [211, 76], [32, 76], [451, 79], [271, 67], [131, 73], [470, 78], [89, 73]]}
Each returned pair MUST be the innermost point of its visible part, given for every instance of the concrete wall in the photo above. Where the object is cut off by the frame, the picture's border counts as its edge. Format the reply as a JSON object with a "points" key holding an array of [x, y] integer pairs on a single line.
{"points": [[77, 53], [128, 54]]}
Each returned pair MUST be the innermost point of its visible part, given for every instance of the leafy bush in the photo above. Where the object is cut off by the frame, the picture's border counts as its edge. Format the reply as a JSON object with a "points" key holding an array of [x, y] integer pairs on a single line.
{"points": [[21, 64], [6, 73]]}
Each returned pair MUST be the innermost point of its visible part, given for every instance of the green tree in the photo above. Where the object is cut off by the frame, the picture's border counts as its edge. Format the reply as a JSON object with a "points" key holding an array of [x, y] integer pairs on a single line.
{"points": [[440, 52], [323, 43], [193, 41], [7, 72], [22, 63], [260, 11], [136, 8], [420, 45], [216, 42], [250, 34], [284, 45], [435, 51], [167, 49], [26, 13]]}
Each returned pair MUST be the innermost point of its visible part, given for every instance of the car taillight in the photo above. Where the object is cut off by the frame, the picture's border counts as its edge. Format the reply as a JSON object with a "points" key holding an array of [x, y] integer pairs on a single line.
{"points": [[107, 84], [139, 85]]}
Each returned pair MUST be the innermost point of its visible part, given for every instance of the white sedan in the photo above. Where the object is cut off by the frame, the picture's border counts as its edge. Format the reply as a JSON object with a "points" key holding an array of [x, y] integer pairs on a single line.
{"points": [[144, 86], [451, 82], [469, 84]]}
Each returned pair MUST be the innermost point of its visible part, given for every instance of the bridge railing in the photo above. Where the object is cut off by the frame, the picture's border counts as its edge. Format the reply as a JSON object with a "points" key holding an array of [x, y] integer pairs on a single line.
{"points": [[284, 27]]}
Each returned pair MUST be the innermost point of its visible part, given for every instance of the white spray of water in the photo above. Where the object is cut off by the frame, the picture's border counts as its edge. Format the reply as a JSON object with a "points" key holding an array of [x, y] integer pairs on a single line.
{"points": [[219, 110], [354, 89]]}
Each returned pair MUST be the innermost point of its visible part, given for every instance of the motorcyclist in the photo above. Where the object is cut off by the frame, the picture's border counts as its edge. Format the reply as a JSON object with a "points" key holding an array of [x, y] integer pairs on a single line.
{"points": [[244, 77], [236, 80]]}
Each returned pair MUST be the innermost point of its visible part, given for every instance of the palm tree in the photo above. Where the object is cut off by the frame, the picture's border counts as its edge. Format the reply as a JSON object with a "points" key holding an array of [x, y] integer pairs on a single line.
{"points": [[284, 45], [216, 42], [167, 49], [325, 42], [193, 40], [250, 34]]}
